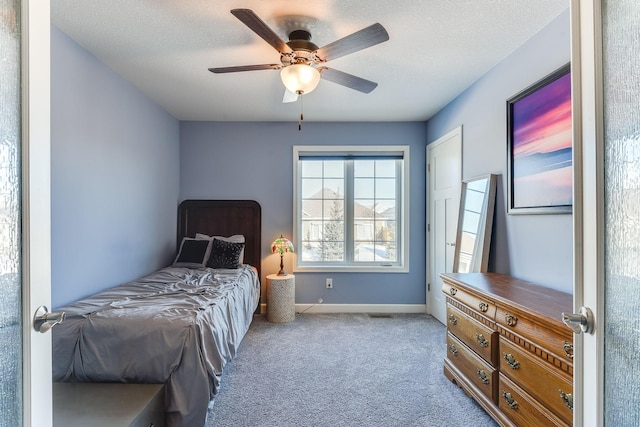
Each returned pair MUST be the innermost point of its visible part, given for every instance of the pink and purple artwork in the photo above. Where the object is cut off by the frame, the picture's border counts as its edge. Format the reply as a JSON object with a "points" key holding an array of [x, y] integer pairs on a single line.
{"points": [[540, 146]]}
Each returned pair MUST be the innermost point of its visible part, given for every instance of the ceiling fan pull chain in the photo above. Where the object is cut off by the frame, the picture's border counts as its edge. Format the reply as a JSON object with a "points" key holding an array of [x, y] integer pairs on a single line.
{"points": [[301, 112]]}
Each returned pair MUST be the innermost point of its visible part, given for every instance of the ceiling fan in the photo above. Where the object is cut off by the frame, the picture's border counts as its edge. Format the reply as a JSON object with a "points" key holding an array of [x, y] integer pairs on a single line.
{"points": [[302, 62]]}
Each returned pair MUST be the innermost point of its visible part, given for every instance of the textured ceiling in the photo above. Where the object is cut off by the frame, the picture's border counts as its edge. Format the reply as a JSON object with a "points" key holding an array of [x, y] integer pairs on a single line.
{"points": [[437, 48]]}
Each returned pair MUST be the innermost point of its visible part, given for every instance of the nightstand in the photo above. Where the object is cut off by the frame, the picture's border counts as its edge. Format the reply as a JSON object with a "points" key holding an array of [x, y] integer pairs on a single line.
{"points": [[281, 298]]}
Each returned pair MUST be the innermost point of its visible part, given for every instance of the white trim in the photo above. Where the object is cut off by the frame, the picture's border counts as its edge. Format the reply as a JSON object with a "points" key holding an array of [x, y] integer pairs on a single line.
{"points": [[352, 269], [360, 308], [588, 211], [36, 208], [345, 150], [431, 288], [404, 151]]}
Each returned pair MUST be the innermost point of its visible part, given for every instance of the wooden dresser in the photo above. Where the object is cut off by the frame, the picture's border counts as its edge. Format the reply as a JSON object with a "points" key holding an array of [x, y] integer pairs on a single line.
{"points": [[508, 348]]}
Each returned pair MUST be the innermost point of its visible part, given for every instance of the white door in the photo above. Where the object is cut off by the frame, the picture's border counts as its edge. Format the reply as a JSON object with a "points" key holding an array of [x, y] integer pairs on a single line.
{"points": [[606, 76], [25, 212], [444, 177], [587, 213]]}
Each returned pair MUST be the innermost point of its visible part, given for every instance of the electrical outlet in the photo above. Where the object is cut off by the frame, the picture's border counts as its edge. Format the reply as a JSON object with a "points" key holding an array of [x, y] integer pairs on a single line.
{"points": [[329, 283]]}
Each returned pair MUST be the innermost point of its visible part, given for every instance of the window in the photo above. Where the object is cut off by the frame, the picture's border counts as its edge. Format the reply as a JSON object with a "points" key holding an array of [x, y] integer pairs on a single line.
{"points": [[351, 208]]}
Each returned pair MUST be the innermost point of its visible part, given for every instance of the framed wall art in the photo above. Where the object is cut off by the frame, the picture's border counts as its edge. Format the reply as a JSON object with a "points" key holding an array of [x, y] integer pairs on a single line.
{"points": [[539, 146]]}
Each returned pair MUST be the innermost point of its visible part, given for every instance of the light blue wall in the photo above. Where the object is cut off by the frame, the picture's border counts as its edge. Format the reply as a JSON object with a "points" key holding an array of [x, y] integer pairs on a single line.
{"points": [[121, 164], [114, 176], [537, 248], [238, 160]]}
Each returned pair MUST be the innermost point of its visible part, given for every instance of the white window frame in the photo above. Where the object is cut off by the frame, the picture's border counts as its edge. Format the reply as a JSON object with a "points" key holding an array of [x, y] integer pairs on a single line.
{"points": [[402, 264]]}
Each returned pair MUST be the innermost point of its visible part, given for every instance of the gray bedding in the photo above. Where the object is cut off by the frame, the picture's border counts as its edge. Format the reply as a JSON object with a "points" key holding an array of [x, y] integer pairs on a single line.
{"points": [[177, 326]]}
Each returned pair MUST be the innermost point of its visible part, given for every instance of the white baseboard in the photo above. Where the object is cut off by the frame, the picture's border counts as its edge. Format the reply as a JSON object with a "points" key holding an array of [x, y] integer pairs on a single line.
{"points": [[361, 308], [355, 308]]}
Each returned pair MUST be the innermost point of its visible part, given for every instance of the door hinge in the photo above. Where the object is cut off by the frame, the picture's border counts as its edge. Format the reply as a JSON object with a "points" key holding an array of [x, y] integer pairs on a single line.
{"points": [[428, 287], [428, 167], [428, 228]]}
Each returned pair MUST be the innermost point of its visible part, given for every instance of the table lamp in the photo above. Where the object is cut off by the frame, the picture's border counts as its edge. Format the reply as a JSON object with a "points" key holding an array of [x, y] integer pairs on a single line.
{"points": [[281, 245]]}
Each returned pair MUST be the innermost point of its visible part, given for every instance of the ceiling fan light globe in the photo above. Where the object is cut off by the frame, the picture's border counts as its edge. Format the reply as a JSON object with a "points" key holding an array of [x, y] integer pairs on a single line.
{"points": [[300, 78]]}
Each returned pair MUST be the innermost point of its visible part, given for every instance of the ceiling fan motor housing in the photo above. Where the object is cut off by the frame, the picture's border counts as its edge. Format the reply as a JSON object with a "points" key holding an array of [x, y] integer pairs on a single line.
{"points": [[303, 49], [299, 35]]}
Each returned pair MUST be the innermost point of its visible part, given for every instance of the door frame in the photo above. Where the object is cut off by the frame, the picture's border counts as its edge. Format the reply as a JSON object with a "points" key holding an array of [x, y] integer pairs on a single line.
{"points": [[36, 207], [588, 209], [457, 131]]}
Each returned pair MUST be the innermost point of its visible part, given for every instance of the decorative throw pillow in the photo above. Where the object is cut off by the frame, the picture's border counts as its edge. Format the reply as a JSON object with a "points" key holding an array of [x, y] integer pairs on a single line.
{"points": [[193, 253], [236, 238], [225, 254]]}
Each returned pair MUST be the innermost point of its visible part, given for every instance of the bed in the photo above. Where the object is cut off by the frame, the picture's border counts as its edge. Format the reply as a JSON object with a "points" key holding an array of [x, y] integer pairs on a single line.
{"points": [[178, 326]]}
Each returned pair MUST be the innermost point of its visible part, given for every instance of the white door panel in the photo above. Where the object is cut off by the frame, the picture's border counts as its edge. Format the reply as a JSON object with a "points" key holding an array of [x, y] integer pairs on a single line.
{"points": [[25, 212], [587, 210], [606, 94], [610, 131], [36, 206], [444, 177]]}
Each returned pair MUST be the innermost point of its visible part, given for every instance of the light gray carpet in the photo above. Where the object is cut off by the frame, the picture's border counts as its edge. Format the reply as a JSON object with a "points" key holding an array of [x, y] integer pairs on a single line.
{"points": [[343, 370]]}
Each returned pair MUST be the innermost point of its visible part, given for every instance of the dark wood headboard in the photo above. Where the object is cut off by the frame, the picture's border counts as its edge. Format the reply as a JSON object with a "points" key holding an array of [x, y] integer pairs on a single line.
{"points": [[224, 218]]}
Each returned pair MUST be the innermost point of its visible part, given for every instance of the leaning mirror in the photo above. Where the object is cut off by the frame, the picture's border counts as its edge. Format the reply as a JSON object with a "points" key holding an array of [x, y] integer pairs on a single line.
{"points": [[475, 222]]}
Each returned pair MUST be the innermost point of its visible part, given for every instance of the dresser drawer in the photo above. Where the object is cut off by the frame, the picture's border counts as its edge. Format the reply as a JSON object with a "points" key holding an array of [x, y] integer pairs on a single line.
{"points": [[553, 389], [478, 337], [476, 303], [523, 409], [483, 376], [558, 343]]}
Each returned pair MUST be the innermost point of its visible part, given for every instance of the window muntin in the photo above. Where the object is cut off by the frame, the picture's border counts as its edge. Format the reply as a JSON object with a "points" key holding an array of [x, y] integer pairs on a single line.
{"points": [[349, 208]]}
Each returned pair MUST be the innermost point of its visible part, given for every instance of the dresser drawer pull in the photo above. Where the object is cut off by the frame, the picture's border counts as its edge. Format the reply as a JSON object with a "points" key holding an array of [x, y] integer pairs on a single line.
{"points": [[453, 291], [483, 376], [510, 319], [453, 320], [510, 400], [568, 349], [453, 349], [482, 340], [483, 306], [511, 361], [567, 398]]}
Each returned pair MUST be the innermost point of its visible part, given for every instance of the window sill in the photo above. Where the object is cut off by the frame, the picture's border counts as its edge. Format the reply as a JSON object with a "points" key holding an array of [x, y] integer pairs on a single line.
{"points": [[351, 269]]}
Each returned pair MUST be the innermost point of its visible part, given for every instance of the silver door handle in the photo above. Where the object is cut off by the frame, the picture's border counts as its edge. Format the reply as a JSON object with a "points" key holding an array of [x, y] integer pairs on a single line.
{"points": [[580, 322], [44, 321], [451, 244]]}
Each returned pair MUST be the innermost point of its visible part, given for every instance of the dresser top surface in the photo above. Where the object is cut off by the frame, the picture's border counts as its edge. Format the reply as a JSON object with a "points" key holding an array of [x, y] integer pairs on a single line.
{"points": [[529, 296]]}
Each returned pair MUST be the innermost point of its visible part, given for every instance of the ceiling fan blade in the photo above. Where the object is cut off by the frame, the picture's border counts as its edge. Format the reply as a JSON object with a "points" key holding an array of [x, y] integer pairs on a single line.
{"points": [[359, 40], [220, 70], [289, 96], [348, 80], [258, 26]]}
